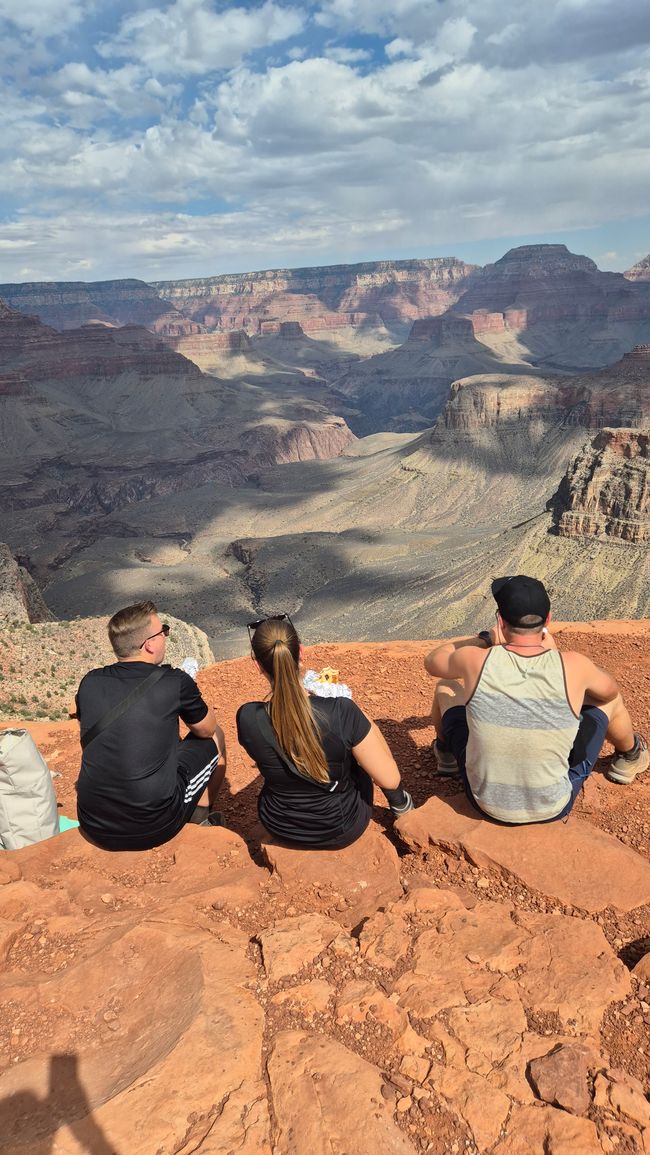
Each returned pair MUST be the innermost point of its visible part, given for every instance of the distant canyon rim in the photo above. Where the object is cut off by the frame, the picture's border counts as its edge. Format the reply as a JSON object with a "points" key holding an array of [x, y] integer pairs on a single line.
{"points": [[363, 446]]}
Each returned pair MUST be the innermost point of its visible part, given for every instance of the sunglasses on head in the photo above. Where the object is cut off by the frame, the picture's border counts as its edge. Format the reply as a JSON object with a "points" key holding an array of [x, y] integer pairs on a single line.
{"points": [[252, 626], [165, 630]]}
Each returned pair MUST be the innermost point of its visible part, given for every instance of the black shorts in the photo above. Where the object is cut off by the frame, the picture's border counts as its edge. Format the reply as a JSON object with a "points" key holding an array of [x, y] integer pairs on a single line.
{"points": [[197, 760], [582, 759]]}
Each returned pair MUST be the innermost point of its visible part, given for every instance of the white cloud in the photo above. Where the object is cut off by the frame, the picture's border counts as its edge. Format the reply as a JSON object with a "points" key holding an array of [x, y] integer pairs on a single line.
{"points": [[345, 55], [469, 127], [43, 18], [188, 38], [377, 17]]}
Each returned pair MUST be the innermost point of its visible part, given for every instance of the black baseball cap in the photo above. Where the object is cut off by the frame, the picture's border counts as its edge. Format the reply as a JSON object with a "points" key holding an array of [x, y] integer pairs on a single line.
{"points": [[521, 597]]}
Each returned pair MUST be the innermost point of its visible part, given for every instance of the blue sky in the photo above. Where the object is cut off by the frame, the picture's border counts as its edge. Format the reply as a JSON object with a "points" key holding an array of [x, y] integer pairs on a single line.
{"points": [[196, 137]]}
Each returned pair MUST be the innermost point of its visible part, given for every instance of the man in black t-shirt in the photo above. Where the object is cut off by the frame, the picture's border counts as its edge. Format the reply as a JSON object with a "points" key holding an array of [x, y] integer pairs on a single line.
{"points": [[139, 784]]}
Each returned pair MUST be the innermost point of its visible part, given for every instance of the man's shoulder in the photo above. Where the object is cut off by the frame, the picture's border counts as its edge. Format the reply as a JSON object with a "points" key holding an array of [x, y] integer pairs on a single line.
{"points": [[127, 671], [573, 658]]}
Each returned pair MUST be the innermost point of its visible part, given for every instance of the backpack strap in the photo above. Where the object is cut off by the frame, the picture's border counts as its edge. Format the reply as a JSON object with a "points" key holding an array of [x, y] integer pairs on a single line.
{"points": [[268, 733], [125, 704]]}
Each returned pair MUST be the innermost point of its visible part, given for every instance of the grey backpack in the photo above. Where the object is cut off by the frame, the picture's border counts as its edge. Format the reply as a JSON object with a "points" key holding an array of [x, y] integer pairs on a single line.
{"points": [[28, 810]]}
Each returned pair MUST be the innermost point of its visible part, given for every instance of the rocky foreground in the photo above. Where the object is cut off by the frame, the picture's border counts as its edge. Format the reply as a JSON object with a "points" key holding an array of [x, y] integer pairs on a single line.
{"points": [[442, 986]]}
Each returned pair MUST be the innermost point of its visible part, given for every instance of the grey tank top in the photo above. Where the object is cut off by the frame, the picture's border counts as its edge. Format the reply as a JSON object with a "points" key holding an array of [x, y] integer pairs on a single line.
{"points": [[521, 730]]}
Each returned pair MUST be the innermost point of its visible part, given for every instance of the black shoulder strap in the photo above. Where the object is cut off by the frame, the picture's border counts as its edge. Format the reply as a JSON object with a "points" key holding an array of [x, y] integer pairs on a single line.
{"points": [[264, 723], [125, 704]]}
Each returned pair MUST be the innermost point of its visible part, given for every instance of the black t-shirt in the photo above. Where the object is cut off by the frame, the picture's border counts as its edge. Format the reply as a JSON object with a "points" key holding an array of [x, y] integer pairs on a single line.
{"points": [[297, 810], [128, 783]]}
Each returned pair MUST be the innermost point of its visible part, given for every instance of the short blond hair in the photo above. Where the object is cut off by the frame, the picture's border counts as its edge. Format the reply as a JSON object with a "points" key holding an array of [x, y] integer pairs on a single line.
{"points": [[128, 628]]}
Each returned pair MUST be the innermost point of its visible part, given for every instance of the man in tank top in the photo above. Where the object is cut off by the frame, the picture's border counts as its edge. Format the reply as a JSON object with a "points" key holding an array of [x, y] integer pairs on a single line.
{"points": [[521, 722]]}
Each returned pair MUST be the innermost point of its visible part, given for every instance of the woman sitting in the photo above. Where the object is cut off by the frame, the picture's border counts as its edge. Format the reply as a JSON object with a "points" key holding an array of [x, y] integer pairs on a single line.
{"points": [[318, 756]]}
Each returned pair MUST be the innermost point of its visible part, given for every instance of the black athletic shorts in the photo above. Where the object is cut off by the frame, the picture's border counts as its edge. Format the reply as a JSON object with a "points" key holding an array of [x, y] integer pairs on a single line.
{"points": [[197, 759]]}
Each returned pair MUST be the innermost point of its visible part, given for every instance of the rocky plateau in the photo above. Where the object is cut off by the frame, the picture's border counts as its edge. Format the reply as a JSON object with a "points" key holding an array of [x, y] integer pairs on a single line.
{"points": [[443, 986]]}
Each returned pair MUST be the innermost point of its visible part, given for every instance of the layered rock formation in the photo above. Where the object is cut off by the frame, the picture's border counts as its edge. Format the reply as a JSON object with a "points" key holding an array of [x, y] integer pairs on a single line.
{"points": [[322, 298], [640, 271], [564, 310], [536, 283], [20, 597], [406, 388], [606, 489], [67, 305]]}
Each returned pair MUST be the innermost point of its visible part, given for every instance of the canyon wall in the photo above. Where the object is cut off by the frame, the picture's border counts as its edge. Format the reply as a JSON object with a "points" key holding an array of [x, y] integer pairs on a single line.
{"points": [[20, 597], [640, 271], [67, 305], [534, 283], [396, 292], [606, 489]]}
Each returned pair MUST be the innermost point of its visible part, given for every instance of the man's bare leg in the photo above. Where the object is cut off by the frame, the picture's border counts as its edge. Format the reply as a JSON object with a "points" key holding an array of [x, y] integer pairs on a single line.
{"points": [[208, 799], [447, 693], [620, 731], [631, 751]]}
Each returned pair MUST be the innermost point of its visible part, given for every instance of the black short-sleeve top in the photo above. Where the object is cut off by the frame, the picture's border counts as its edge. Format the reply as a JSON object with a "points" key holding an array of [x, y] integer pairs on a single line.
{"points": [[300, 811], [128, 782]]}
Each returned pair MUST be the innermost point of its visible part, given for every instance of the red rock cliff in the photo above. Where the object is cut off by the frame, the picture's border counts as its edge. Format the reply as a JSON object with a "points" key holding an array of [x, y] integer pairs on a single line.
{"points": [[547, 283], [396, 291], [606, 489]]}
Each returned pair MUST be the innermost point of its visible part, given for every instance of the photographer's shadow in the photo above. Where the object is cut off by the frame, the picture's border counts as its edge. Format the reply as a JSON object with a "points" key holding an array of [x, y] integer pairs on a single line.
{"points": [[30, 1123]]}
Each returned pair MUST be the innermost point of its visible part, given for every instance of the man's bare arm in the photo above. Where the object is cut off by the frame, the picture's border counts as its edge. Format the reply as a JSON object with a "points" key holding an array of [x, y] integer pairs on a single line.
{"points": [[447, 661], [585, 678], [206, 727]]}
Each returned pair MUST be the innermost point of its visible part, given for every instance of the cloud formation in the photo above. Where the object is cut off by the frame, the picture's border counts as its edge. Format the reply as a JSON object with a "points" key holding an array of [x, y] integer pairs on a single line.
{"points": [[194, 135]]}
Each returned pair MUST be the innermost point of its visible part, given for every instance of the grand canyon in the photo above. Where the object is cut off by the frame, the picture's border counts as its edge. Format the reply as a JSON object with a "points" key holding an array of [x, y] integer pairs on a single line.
{"points": [[363, 445]]}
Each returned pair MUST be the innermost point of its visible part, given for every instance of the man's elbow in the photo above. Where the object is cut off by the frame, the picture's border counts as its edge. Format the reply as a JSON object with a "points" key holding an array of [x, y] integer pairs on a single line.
{"points": [[206, 727], [437, 665]]}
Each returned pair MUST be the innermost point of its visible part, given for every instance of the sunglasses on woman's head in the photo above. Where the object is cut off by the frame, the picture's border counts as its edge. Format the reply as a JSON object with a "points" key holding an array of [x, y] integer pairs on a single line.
{"points": [[252, 626]]}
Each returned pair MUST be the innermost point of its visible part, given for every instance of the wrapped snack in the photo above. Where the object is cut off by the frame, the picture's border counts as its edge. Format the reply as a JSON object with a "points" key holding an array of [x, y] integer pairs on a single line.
{"points": [[325, 684]]}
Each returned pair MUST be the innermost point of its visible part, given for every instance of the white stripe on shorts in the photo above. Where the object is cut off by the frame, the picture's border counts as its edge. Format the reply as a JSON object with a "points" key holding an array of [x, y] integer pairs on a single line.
{"points": [[200, 780]]}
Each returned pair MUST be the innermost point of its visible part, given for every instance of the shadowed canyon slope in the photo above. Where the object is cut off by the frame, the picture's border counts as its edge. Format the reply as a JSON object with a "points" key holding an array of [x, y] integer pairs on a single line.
{"points": [[94, 419], [134, 470], [402, 532]]}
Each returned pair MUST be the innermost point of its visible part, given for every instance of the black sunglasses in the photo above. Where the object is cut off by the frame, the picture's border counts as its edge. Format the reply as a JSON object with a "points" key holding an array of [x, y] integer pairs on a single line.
{"points": [[165, 629], [252, 626]]}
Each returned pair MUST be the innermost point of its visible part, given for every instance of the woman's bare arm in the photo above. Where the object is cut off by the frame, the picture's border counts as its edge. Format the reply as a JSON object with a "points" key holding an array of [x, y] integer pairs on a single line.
{"points": [[374, 756]]}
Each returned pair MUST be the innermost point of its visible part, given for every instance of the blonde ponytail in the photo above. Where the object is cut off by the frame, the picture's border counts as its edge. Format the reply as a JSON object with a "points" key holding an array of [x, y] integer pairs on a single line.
{"points": [[277, 649]]}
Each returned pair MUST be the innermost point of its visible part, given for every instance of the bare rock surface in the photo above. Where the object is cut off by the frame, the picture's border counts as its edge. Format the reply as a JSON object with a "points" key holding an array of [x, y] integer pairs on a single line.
{"points": [[20, 598], [561, 1078], [293, 943], [191, 1000], [328, 1098], [364, 876], [574, 862], [604, 492]]}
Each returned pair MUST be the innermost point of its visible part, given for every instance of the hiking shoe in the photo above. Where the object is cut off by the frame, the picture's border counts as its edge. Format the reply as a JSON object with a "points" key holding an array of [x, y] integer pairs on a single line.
{"points": [[447, 764], [625, 767]]}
